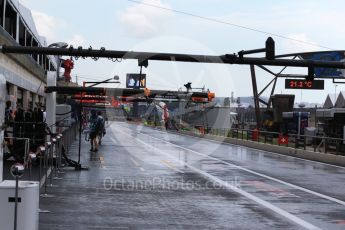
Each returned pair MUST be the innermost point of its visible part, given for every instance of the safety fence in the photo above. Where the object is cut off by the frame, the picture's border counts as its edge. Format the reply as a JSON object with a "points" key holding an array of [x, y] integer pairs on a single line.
{"points": [[316, 143], [43, 158], [33, 159], [35, 132]]}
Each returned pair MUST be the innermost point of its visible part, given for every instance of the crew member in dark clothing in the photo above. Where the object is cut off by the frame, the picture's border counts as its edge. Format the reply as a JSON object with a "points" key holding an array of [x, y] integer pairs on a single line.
{"points": [[94, 130], [8, 112], [8, 132], [101, 121], [40, 128], [18, 132]]}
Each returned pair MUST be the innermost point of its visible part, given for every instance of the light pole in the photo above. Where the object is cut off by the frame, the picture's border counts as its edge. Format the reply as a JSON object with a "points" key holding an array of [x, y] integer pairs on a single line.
{"points": [[58, 61]]}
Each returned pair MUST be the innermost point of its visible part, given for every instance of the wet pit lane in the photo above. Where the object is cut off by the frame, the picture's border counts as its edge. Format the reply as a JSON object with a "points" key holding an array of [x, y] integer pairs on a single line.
{"points": [[149, 179]]}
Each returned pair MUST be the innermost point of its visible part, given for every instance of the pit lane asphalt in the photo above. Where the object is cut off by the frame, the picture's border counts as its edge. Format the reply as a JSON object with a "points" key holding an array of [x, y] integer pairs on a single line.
{"points": [[148, 179]]}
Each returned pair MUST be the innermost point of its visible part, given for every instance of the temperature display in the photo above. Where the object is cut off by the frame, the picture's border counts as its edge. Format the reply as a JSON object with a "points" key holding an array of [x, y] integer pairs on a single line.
{"points": [[304, 84]]}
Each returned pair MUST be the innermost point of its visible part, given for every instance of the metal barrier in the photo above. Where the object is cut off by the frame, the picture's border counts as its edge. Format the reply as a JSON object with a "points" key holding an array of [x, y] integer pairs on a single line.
{"points": [[45, 160], [53, 150], [35, 131], [323, 144], [47, 157], [69, 136], [45, 154], [25, 158]]}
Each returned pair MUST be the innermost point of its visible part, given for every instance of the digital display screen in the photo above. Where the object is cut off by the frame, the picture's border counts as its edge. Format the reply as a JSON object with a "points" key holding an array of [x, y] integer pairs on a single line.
{"points": [[326, 56], [133, 79], [304, 84]]}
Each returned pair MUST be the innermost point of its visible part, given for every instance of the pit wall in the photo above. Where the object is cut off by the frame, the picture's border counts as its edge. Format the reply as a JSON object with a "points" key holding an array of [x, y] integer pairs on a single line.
{"points": [[299, 153]]}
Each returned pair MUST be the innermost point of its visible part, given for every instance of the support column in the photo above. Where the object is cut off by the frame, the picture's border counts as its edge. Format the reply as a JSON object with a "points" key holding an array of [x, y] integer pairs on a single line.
{"points": [[3, 93], [272, 92], [256, 97], [4, 14], [135, 113], [40, 100], [17, 28], [26, 96], [13, 96], [51, 102], [35, 100]]}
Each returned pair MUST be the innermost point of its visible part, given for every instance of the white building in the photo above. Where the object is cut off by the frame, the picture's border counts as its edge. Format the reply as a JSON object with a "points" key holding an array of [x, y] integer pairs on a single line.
{"points": [[25, 74]]}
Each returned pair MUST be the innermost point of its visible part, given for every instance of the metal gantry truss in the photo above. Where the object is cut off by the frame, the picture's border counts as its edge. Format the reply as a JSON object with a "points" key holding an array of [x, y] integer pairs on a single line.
{"points": [[240, 59], [279, 74], [130, 95], [270, 59]]}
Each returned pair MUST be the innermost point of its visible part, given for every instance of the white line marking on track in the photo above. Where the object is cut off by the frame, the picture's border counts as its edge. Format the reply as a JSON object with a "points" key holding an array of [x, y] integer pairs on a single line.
{"points": [[142, 169], [264, 203], [256, 173], [171, 166], [134, 161]]}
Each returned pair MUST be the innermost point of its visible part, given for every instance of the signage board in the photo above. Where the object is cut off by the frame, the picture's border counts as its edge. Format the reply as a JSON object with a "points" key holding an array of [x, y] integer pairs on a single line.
{"points": [[133, 79], [326, 56], [304, 84]]}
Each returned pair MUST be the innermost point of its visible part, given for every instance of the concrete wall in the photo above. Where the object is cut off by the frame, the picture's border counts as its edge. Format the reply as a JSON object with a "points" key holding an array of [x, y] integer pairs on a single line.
{"points": [[25, 61], [20, 71], [19, 76]]}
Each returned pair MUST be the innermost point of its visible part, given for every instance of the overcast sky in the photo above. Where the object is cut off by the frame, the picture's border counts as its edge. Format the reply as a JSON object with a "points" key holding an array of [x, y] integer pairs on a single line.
{"points": [[126, 25]]}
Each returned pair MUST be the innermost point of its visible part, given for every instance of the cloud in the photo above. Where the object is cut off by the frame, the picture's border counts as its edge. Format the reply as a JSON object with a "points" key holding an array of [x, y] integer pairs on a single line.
{"points": [[76, 40], [299, 43], [47, 25], [144, 21]]}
